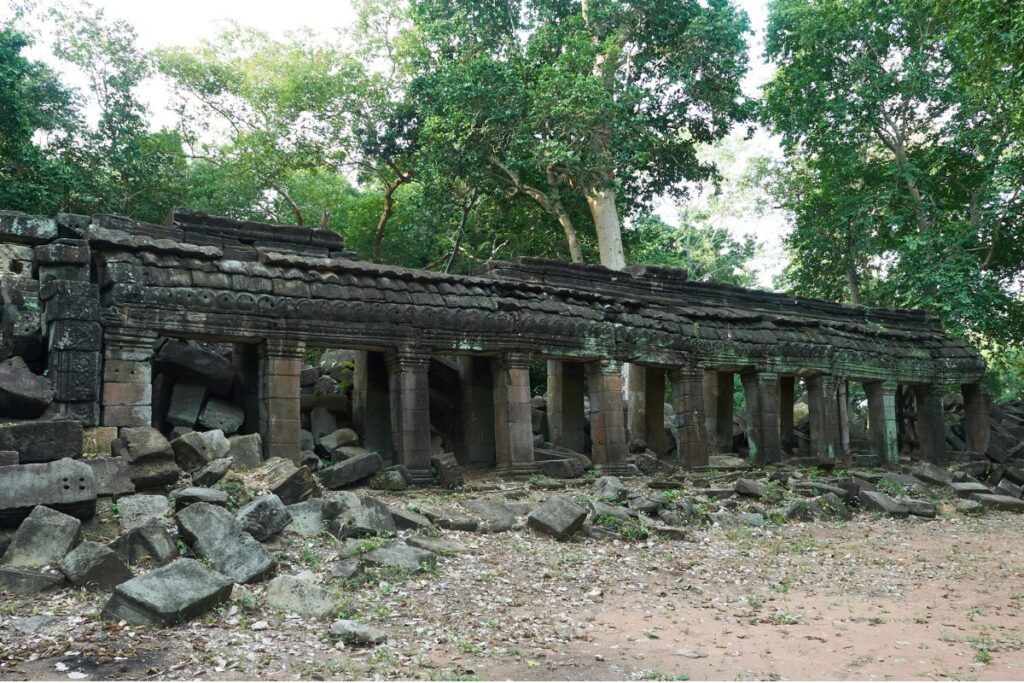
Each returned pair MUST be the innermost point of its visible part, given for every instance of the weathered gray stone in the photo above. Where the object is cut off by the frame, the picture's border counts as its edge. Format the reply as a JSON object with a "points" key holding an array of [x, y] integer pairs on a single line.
{"points": [[169, 595], [150, 457], [750, 487], [27, 582], [992, 501], [876, 501], [306, 440], [933, 474], [558, 516], [452, 518], [292, 484], [263, 517], [354, 633], [94, 565], [339, 438], [66, 485], [22, 393], [195, 450], [833, 507], [148, 541], [562, 468], [602, 509], [351, 470], [802, 511], [1005, 487], [437, 545], [112, 476], [346, 568], [610, 489], [407, 519], [219, 414], [43, 441], [31, 625], [215, 535], [918, 508], [323, 423], [969, 507], [307, 517], [184, 360], [967, 489], [729, 519], [198, 494], [299, 596], [644, 504], [391, 479], [186, 402], [246, 451], [134, 511], [359, 516], [213, 472], [44, 538], [400, 556], [494, 517]]}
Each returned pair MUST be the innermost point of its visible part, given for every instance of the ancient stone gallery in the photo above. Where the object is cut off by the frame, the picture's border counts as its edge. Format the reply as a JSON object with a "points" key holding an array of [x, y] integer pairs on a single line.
{"points": [[175, 354]]}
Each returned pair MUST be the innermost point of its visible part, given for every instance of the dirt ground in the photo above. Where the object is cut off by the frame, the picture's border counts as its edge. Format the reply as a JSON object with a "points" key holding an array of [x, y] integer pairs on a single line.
{"points": [[871, 598]]}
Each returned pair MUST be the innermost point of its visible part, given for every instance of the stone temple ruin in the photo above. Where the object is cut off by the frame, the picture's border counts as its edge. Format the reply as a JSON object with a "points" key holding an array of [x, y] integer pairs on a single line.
{"points": [[105, 321]]}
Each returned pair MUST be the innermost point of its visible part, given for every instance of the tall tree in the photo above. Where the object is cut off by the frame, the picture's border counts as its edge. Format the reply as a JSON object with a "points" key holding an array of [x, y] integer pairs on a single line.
{"points": [[593, 101]]}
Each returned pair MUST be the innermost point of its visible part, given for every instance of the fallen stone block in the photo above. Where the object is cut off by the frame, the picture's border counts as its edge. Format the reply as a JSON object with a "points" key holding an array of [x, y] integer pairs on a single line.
{"points": [[750, 487], [195, 450], [112, 476], [218, 414], [323, 422], [246, 451], [647, 506], [23, 394], [932, 474], [352, 470], [969, 507], [918, 508], [558, 516], [494, 517], [213, 472], [564, 468], [359, 516], [214, 534], [392, 479], [299, 596], [437, 545], [292, 484], [400, 556], [94, 565], [169, 595], [186, 402], [44, 538], [452, 519], [967, 489], [610, 489], [263, 517], [728, 519], [197, 494], [876, 501], [833, 507], [149, 541], [1005, 487], [338, 438], [137, 510], [27, 582], [345, 569], [407, 519], [43, 441], [355, 633], [97, 440], [150, 457], [601, 509], [308, 517], [992, 501], [68, 486], [184, 360]]}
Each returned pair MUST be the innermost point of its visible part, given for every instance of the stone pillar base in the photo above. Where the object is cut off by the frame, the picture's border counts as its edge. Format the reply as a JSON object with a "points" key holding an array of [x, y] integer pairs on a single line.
{"points": [[419, 476], [620, 469], [516, 470]]}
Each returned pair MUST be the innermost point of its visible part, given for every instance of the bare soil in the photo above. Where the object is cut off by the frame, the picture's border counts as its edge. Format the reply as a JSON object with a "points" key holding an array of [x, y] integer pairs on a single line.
{"points": [[872, 598]]}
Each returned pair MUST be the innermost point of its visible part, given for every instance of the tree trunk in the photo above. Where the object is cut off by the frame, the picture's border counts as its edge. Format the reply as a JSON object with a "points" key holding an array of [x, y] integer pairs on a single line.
{"points": [[571, 238], [606, 223], [382, 223]]}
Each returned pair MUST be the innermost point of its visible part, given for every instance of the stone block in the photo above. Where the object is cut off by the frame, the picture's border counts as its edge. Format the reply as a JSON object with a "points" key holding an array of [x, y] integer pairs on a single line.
{"points": [[213, 472], [400, 556], [25, 229], [351, 470], [169, 595], [292, 484], [23, 394], [112, 476], [610, 489], [750, 487], [214, 534], [197, 494], [494, 517], [194, 450], [992, 501], [296, 595], [246, 451], [136, 511], [127, 416], [68, 486], [407, 519], [127, 372], [966, 489], [356, 633], [359, 516], [558, 516], [337, 439], [919, 508], [184, 360], [8, 458], [221, 415], [323, 423], [28, 582], [141, 443], [94, 565], [933, 474], [562, 468], [876, 501], [97, 440], [263, 517], [44, 538], [149, 541], [43, 441], [74, 335], [186, 403], [308, 517], [75, 375], [127, 394]]}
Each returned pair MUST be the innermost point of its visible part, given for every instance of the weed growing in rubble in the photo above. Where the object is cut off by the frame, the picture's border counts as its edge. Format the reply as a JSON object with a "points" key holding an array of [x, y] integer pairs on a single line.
{"points": [[311, 558], [627, 528]]}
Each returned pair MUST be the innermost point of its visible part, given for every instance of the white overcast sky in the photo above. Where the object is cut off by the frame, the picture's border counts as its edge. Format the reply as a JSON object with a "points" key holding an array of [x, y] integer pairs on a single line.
{"points": [[187, 22]]}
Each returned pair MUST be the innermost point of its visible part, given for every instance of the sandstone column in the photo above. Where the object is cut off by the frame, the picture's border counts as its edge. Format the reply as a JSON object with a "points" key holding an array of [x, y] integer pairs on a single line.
{"points": [[476, 424], [718, 406], [931, 424], [882, 425], [761, 390], [787, 395], [823, 409], [565, 404], [513, 426], [636, 395], [976, 418], [410, 412], [607, 423], [127, 377], [280, 363], [688, 402]]}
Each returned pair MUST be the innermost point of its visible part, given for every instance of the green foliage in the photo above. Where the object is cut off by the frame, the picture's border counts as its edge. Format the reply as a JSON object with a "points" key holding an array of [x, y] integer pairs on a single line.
{"points": [[630, 529]]}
